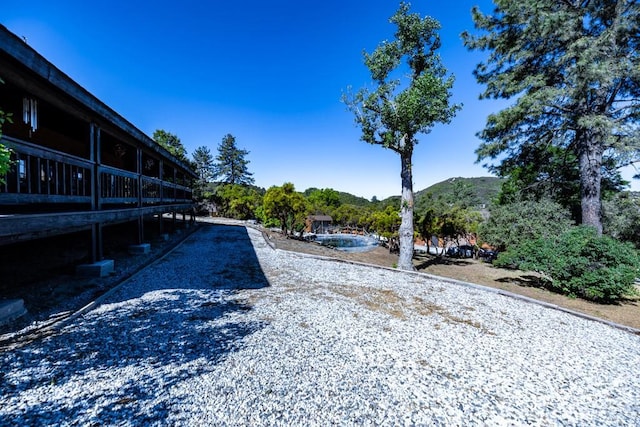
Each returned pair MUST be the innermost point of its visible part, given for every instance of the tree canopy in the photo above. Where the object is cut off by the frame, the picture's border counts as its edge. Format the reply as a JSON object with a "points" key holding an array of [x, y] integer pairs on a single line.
{"points": [[203, 162], [231, 165], [171, 143], [238, 201], [573, 67], [203, 165], [285, 204], [323, 201], [408, 99]]}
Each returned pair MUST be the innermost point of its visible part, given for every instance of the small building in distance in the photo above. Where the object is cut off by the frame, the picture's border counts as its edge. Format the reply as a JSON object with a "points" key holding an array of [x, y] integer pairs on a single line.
{"points": [[318, 224]]}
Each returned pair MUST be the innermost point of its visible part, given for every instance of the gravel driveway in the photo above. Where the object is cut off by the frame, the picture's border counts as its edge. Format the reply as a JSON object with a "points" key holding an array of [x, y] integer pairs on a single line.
{"points": [[227, 331]]}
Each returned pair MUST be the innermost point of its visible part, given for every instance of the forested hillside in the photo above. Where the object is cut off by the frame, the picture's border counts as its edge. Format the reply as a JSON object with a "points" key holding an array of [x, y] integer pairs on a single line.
{"points": [[485, 188]]}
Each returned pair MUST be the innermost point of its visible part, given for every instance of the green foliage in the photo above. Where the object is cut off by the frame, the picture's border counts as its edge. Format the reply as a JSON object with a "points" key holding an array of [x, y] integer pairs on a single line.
{"points": [[452, 212], [622, 218], [203, 165], [343, 198], [5, 153], [266, 220], [386, 222], [285, 205], [511, 225], [237, 201], [203, 162], [430, 223], [5, 162], [171, 143], [539, 171], [408, 99], [231, 165], [393, 201], [395, 112], [574, 69], [460, 222], [579, 263], [473, 192], [323, 202]]}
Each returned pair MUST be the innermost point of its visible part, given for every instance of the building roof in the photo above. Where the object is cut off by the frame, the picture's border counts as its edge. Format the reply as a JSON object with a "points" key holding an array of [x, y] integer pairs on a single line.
{"points": [[320, 218], [19, 51]]}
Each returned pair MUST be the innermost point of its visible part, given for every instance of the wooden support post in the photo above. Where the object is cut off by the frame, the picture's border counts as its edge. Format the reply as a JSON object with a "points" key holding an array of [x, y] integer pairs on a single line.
{"points": [[95, 170], [96, 243], [175, 182], [140, 229], [161, 176], [139, 172]]}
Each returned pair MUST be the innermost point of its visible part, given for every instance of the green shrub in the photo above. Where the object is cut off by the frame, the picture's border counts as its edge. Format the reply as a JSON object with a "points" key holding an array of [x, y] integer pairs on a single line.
{"points": [[508, 225], [579, 263]]}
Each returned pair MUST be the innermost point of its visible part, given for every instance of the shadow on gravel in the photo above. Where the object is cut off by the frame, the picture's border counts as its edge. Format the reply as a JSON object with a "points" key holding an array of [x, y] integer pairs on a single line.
{"points": [[176, 321]]}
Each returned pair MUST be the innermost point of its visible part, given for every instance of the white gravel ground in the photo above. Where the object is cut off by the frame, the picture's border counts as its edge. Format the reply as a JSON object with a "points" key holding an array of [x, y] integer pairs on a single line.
{"points": [[227, 331]]}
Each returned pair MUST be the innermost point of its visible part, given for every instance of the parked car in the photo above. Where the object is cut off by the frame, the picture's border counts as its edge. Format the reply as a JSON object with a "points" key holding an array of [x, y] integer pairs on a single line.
{"points": [[488, 255], [464, 251]]}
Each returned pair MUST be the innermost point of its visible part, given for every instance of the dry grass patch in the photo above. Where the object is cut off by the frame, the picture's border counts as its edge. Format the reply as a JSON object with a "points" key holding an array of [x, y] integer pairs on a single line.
{"points": [[387, 301], [379, 300]]}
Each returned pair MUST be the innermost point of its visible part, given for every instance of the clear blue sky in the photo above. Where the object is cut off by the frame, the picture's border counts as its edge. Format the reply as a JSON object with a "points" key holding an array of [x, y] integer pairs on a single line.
{"points": [[269, 73]]}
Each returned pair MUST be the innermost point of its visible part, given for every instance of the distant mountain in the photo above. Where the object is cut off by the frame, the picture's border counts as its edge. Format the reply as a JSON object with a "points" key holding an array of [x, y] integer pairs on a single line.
{"points": [[485, 188], [347, 198]]}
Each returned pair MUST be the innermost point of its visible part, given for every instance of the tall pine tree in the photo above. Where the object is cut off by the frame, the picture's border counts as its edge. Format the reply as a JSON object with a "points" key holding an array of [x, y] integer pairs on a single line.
{"points": [[203, 164], [574, 68], [231, 165]]}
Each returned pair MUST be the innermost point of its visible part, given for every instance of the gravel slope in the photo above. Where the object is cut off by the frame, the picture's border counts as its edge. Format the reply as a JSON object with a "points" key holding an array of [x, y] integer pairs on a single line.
{"points": [[227, 331]]}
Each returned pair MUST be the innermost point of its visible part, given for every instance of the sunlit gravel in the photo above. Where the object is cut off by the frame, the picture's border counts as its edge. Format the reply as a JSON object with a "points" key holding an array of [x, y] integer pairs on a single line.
{"points": [[228, 331]]}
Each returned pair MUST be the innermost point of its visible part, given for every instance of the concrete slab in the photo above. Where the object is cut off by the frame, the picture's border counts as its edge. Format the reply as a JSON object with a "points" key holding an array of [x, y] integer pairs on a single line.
{"points": [[142, 249], [99, 269], [11, 309]]}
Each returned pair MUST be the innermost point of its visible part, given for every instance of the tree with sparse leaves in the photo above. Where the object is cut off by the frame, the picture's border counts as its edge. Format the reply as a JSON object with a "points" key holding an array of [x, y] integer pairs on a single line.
{"points": [[231, 165], [573, 67], [407, 101]]}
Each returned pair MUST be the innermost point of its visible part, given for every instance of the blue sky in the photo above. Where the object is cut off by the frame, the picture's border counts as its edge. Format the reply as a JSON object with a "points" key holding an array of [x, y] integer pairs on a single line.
{"points": [[269, 73]]}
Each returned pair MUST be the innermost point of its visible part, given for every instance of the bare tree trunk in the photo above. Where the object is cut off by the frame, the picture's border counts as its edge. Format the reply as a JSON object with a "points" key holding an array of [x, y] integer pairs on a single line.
{"points": [[590, 158], [405, 262]]}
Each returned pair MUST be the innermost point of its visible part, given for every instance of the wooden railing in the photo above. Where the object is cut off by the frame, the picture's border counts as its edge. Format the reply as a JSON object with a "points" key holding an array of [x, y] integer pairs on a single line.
{"points": [[41, 175], [118, 186]]}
